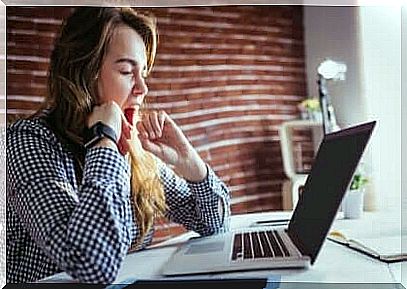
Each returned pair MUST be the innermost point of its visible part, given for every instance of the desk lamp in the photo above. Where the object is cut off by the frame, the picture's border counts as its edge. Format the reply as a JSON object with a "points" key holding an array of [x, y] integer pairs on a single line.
{"points": [[329, 70]]}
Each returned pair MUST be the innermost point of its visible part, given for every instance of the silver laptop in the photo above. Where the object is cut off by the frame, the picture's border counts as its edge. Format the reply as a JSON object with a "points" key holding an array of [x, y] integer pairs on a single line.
{"points": [[299, 244]]}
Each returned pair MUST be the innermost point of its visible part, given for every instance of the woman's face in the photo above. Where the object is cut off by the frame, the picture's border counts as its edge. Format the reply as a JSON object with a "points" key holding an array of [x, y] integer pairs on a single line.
{"points": [[124, 68]]}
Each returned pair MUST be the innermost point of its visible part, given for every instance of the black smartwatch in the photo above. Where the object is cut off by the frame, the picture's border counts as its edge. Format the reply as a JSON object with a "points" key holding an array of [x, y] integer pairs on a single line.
{"points": [[98, 131]]}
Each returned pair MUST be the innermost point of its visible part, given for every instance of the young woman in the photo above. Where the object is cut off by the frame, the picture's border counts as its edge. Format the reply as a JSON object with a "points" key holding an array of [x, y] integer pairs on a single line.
{"points": [[90, 171]]}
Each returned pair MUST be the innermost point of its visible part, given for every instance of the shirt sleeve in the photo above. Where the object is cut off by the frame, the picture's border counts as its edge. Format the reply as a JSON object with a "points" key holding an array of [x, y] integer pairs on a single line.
{"points": [[203, 207], [86, 232]]}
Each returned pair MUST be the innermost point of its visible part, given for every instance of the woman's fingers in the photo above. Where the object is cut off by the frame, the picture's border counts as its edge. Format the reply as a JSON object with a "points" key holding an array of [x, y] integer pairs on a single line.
{"points": [[142, 132], [151, 125], [161, 120], [148, 145], [147, 126], [126, 129], [160, 135], [155, 124], [161, 150], [123, 145], [108, 113]]}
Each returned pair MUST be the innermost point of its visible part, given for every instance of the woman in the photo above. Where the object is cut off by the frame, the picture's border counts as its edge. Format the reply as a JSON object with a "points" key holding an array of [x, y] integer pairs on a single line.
{"points": [[88, 173]]}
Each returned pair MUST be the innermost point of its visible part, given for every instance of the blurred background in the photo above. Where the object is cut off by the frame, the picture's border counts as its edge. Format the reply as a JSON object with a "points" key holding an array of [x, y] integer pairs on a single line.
{"points": [[231, 76]]}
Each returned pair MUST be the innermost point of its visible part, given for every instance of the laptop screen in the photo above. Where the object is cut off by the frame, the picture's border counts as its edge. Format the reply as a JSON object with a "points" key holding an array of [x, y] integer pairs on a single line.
{"points": [[333, 168]]}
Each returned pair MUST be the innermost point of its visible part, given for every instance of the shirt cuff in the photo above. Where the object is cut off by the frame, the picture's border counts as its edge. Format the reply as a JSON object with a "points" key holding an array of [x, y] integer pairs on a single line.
{"points": [[209, 194], [207, 190]]}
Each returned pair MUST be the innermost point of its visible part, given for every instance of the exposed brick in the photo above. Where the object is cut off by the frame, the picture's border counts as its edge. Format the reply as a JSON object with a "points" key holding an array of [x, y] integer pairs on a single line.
{"points": [[208, 58]]}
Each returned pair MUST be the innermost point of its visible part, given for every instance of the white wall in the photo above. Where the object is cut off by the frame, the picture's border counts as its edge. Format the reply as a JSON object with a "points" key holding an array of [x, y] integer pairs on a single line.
{"points": [[332, 32], [404, 135], [381, 46], [367, 39], [404, 122]]}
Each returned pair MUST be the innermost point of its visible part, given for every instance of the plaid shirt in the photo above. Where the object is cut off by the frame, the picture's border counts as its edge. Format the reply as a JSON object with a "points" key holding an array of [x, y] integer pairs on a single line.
{"points": [[55, 224]]}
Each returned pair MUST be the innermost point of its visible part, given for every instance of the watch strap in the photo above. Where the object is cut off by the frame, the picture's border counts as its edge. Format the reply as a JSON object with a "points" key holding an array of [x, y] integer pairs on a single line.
{"points": [[97, 132]]}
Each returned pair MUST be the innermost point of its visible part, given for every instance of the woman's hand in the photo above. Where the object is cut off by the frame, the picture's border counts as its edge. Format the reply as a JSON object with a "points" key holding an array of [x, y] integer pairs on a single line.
{"points": [[110, 114], [160, 135]]}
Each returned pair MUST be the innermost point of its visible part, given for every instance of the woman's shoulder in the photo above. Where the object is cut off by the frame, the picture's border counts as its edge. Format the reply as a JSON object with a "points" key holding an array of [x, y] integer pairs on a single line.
{"points": [[27, 128]]}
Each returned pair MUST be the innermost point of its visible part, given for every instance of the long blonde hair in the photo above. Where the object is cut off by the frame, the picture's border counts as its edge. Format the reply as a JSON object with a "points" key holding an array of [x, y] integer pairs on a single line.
{"points": [[74, 65]]}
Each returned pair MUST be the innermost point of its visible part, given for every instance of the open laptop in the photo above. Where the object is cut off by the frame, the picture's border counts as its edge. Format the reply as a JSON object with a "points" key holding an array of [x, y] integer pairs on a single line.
{"points": [[298, 245]]}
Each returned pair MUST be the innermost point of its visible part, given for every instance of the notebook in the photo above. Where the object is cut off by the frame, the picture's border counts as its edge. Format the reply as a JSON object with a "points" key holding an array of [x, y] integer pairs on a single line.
{"points": [[298, 245], [387, 249]]}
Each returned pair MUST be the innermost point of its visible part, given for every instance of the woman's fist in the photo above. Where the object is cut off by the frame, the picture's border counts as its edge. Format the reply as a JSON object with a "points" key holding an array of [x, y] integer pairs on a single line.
{"points": [[110, 114], [161, 136]]}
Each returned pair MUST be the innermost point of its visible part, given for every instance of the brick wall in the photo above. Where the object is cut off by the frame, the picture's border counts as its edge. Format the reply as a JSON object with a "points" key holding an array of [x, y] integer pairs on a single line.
{"points": [[228, 75]]}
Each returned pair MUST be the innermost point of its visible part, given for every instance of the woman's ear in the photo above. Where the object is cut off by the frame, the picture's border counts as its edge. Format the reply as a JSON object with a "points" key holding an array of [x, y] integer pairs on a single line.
{"points": [[95, 88]]}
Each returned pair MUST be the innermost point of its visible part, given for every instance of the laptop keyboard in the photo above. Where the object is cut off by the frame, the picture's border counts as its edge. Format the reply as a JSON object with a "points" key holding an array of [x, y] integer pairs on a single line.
{"points": [[259, 244]]}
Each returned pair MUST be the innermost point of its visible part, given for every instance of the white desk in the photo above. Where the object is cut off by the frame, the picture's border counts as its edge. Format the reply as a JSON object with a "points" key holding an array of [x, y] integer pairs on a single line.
{"points": [[335, 263]]}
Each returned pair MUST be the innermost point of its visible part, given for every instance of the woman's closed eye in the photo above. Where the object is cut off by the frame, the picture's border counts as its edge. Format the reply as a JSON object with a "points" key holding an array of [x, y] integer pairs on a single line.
{"points": [[125, 69]]}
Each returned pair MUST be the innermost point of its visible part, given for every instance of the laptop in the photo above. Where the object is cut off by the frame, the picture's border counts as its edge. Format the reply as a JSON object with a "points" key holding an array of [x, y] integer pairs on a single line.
{"points": [[298, 245]]}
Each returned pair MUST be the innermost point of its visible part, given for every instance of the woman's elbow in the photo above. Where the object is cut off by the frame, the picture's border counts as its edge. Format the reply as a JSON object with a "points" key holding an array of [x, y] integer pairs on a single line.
{"points": [[95, 274], [96, 268]]}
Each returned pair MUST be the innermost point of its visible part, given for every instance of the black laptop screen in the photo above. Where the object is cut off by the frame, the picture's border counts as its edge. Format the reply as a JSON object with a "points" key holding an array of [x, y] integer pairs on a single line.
{"points": [[334, 165]]}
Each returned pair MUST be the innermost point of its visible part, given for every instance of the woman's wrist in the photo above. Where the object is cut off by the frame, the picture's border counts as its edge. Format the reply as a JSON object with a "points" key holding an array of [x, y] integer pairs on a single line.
{"points": [[106, 143], [193, 170]]}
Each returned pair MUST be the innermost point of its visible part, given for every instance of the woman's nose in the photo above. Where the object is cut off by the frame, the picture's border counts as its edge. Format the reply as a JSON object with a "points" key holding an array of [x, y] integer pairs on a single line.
{"points": [[140, 86]]}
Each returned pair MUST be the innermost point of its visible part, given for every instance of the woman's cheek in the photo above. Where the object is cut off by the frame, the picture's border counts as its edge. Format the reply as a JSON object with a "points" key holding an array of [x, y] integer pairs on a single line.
{"points": [[120, 93]]}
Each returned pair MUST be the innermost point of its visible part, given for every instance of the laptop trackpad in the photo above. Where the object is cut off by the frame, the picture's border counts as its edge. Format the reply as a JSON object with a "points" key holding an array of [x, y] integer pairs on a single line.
{"points": [[209, 247]]}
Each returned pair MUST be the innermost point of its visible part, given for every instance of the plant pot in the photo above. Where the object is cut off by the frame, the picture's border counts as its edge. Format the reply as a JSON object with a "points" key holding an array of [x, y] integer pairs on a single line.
{"points": [[316, 116], [352, 204]]}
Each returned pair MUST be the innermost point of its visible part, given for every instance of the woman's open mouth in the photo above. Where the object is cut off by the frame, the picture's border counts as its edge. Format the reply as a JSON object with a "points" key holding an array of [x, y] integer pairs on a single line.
{"points": [[129, 114]]}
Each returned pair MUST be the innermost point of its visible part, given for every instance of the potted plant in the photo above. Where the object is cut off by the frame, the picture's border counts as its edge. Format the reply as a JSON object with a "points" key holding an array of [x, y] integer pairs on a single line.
{"points": [[352, 204], [310, 109], [359, 182]]}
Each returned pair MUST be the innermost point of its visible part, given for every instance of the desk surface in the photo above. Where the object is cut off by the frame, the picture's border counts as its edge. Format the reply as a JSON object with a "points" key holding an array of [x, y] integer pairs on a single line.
{"points": [[335, 263]]}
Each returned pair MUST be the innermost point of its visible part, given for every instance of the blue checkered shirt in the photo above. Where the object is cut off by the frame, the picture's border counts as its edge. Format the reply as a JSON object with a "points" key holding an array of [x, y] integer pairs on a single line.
{"points": [[56, 224]]}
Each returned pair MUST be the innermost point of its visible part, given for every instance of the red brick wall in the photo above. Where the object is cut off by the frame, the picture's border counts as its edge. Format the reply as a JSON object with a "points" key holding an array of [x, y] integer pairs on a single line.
{"points": [[228, 75]]}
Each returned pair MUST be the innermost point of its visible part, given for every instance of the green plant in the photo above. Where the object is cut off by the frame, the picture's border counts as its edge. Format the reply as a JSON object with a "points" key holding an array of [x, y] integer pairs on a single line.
{"points": [[358, 182], [310, 104]]}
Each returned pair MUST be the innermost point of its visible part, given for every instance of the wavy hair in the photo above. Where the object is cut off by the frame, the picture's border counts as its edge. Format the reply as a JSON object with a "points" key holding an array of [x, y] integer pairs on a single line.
{"points": [[72, 93]]}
